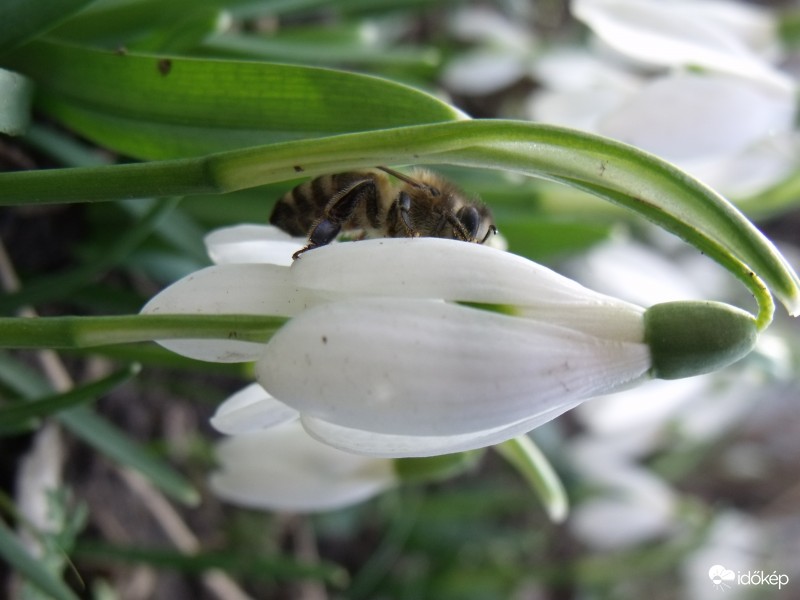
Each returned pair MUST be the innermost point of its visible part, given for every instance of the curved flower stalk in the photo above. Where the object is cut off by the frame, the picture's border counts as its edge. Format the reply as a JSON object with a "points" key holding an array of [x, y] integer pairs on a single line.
{"points": [[420, 347]]}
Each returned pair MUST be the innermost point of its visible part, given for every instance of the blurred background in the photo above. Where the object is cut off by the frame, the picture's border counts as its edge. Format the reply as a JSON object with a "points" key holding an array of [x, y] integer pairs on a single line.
{"points": [[666, 482]]}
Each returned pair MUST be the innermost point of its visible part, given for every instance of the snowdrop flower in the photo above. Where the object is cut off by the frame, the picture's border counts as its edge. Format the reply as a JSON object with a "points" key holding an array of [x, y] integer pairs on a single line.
{"points": [[736, 541], [632, 505], [502, 55], [282, 468], [391, 351], [730, 124]]}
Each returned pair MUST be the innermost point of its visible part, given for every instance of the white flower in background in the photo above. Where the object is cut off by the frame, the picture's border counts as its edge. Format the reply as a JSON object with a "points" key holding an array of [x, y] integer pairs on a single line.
{"points": [[38, 478], [380, 357], [501, 55], [738, 542], [629, 504], [632, 504], [692, 81], [283, 469]]}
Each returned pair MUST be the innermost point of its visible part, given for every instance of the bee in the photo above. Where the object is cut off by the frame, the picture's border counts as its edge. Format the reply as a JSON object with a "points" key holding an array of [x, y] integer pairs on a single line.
{"points": [[367, 204]]}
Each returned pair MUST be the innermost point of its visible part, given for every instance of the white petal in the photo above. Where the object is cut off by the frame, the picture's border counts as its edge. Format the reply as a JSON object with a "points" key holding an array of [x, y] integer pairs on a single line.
{"points": [[252, 244], [623, 519], [639, 274], [480, 24], [689, 116], [285, 469], [662, 34], [633, 505], [652, 406], [749, 173], [423, 367], [581, 109], [483, 72], [574, 69], [228, 289], [250, 409], [39, 477], [452, 270], [389, 445]]}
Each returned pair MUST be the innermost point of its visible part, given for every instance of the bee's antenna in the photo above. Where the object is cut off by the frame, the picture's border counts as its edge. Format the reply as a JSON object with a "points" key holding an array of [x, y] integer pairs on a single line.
{"points": [[491, 231], [401, 176]]}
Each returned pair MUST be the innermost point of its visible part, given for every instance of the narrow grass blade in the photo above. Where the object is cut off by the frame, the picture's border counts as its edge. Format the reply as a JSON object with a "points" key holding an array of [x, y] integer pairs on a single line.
{"points": [[31, 568], [19, 415], [21, 20], [16, 96], [272, 567], [100, 434], [64, 284]]}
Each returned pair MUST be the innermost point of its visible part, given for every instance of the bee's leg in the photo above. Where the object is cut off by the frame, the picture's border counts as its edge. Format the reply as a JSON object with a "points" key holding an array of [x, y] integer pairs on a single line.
{"points": [[459, 229], [338, 210], [323, 234], [401, 211]]}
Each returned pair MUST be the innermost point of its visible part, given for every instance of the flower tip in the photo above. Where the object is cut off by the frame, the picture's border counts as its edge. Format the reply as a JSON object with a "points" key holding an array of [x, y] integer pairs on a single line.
{"points": [[693, 338]]}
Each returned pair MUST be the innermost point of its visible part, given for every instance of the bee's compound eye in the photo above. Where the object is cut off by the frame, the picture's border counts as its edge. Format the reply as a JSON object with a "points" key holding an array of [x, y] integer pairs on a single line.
{"points": [[470, 219]]}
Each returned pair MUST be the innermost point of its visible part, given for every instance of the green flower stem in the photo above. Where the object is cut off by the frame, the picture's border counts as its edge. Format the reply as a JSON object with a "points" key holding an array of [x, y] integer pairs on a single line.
{"points": [[613, 171], [109, 182], [524, 455], [87, 332]]}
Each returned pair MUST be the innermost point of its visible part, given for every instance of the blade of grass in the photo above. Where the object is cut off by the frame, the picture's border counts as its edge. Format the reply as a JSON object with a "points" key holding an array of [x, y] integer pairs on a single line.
{"points": [[20, 415], [16, 96], [99, 433], [115, 444], [272, 567], [21, 20], [31, 568], [319, 50], [64, 284]]}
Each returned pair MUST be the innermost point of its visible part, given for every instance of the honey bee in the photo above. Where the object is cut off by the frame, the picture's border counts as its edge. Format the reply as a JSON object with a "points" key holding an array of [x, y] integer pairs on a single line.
{"points": [[367, 204]]}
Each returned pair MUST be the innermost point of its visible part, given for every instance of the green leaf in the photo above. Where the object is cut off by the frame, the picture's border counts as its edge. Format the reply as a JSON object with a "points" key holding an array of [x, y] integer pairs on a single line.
{"points": [[64, 284], [21, 20], [232, 562], [99, 433], [611, 170], [18, 415], [16, 95], [435, 468], [114, 443], [31, 568], [522, 454], [150, 106], [320, 47]]}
